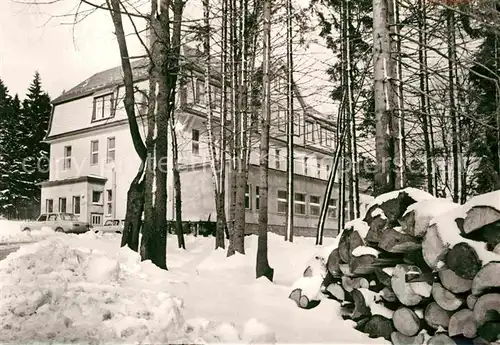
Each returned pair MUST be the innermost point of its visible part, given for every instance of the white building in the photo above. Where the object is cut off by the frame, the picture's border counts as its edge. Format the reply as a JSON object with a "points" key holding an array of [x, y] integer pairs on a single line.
{"points": [[93, 160]]}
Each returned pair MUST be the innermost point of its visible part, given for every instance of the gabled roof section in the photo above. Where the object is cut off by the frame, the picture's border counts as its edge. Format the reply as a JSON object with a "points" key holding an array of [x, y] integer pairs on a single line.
{"points": [[190, 57], [105, 79]]}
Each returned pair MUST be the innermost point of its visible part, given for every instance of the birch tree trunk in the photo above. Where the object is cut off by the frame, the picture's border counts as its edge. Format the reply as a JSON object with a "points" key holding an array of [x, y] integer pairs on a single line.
{"points": [[382, 93], [396, 95], [262, 264], [241, 149], [450, 25], [215, 163], [290, 124]]}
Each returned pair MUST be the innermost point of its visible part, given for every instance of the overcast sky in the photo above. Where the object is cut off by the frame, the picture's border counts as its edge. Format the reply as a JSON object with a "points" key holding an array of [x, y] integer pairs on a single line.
{"points": [[63, 55], [40, 37]]}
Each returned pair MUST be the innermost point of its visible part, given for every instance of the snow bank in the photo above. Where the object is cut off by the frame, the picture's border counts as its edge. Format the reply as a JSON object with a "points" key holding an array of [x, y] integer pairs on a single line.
{"points": [[10, 231], [53, 291], [363, 250], [431, 207], [414, 193], [449, 233], [491, 199]]}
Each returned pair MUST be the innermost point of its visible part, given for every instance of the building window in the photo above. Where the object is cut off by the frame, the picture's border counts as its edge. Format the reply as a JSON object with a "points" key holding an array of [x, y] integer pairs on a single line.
{"points": [[199, 97], [332, 208], [49, 205], [305, 165], [94, 152], [257, 199], [277, 161], [314, 207], [110, 157], [326, 137], [300, 203], [109, 200], [97, 197], [309, 131], [67, 157], [282, 201], [195, 142], [282, 123], [318, 170], [216, 92], [103, 107], [346, 210], [95, 219], [248, 199], [76, 205], [62, 205], [297, 128], [327, 170]]}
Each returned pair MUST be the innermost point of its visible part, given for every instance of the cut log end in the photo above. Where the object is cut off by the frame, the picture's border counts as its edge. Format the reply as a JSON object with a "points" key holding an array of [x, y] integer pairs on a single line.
{"points": [[406, 321], [487, 308], [436, 317], [394, 241], [401, 339], [441, 339], [305, 303], [463, 323], [406, 295], [444, 298], [463, 260], [454, 283], [487, 279], [379, 327]]}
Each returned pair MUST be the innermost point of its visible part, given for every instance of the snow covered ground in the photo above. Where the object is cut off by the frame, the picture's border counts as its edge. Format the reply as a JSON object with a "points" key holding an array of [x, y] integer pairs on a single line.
{"points": [[84, 288], [10, 231]]}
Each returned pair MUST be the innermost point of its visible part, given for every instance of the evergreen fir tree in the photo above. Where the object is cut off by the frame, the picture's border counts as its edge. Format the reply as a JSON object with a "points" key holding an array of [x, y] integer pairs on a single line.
{"points": [[35, 122], [9, 136]]}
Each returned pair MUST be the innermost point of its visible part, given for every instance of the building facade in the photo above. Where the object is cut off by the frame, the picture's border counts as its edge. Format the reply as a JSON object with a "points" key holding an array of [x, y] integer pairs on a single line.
{"points": [[93, 159]]}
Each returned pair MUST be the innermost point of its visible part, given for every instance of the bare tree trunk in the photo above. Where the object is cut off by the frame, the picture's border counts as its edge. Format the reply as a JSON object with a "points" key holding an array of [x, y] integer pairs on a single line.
{"points": [[236, 240], [153, 245], [214, 160], [396, 97], [382, 94], [342, 188], [149, 211], [350, 114], [424, 97], [221, 207], [290, 124], [450, 24], [135, 194], [177, 186], [262, 264]]}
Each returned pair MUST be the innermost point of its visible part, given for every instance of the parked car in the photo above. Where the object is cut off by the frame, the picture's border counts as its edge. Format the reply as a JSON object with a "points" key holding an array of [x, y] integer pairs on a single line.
{"points": [[60, 222], [111, 225]]}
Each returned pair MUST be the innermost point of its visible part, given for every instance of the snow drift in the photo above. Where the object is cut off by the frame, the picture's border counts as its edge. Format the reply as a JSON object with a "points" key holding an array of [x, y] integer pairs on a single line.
{"points": [[53, 291]]}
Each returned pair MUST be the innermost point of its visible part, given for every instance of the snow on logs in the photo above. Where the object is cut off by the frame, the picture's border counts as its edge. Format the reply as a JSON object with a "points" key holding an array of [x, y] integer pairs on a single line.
{"points": [[415, 269]]}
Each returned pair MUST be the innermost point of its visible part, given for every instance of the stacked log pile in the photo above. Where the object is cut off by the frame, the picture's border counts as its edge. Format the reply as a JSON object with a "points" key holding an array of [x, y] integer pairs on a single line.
{"points": [[414, 270]]}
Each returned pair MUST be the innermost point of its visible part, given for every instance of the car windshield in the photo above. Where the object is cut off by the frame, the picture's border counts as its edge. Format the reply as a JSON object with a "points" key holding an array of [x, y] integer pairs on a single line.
{"points": [[68, 216], [108, 223]]}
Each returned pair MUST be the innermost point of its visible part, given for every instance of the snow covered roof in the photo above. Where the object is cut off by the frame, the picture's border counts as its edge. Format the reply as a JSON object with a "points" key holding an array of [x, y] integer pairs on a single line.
{"points": [[88, 178], [114, 76]]}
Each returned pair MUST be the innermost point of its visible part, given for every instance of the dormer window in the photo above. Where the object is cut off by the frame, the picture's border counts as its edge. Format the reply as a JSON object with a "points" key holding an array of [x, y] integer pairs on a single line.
{"points": [[103, 107]]}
